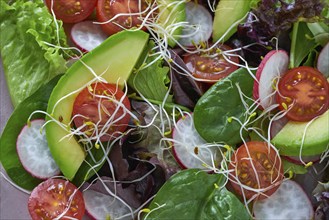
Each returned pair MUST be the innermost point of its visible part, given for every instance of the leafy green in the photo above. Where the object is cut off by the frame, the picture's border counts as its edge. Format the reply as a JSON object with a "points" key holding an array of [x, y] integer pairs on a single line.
{"points": [[296, 169], [301, 44], [194, 194], [215, 109], [151, 81], [18, 119], [26, 27], [320, 32]]}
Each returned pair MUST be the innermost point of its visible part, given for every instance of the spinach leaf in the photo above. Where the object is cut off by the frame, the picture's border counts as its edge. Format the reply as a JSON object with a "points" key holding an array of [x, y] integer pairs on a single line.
{"points": [[222, 101], [301, 44], [29, 62], [18, 119], [194, 194]]}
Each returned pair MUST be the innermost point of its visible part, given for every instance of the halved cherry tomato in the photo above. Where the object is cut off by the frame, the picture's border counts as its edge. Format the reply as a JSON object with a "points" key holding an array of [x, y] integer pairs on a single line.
{"points": [[257, 166], [71, 11], [305, 92], [107, 9], [98, 105], [211, 65], [54, 197]]}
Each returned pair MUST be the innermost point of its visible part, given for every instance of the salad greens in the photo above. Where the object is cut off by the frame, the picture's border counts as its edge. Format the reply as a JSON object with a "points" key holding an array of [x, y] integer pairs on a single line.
{"points": [[219, 112], [194, 194], [140, 164], [38, 101], [26, 30]]}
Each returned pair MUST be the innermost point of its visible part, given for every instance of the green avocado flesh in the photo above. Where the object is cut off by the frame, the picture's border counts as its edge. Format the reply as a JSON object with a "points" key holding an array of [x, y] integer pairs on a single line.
{"points": [[171, 12], [114, 59], [227, 13], [316, 137]]}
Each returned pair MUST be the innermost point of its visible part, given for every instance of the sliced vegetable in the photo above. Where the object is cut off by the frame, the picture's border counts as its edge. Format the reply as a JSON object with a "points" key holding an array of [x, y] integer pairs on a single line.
{"points": [[33, 151], [274, 64], [8, 156], [288, 202], [87, 35], [56, 198], [103, 206], [257, 170], [101, 110], [194, 194], [303, 93], [199, 25], [303, 138], [322, 62], [121, 14], [191, 150], [71, 11], [213, 64]]}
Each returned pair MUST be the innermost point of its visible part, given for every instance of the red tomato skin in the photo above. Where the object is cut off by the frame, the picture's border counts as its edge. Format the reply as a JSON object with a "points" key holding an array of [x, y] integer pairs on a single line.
{"points": [[72, 11], [211, 69], [261, 156], [51, 198], [107, 9], [305, 92], [87, 104]]}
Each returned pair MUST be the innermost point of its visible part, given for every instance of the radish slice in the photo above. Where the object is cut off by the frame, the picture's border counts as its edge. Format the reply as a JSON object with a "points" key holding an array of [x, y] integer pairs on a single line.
{"points": [[274, 64], [190, 149], [33, 152], [102, 206], [288, 202], [199, 27], [87, 35], [323, 61]]}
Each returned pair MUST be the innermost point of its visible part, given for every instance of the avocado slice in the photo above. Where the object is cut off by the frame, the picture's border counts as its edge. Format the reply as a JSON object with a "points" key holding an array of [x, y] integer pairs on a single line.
{"points": [[171, 12], [289, 140], [227, 13], [114, 60]]}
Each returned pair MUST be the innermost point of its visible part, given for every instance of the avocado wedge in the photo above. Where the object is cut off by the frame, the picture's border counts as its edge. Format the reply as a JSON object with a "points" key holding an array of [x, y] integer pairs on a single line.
{"points": [[304, 138], [113, 61]]}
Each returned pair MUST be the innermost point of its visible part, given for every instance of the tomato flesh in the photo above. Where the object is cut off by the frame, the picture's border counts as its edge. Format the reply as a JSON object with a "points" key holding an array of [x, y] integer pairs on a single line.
{"points": [[211, 66], [107, 9], [303, 91], [71, 11], [259, 169], [98, 105], [53, 197]]}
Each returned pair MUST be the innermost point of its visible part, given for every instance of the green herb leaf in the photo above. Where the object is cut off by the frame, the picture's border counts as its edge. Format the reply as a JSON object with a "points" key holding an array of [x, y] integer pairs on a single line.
{"points": [[18, 119], [219, 104], [194, 194], [26, 27]]}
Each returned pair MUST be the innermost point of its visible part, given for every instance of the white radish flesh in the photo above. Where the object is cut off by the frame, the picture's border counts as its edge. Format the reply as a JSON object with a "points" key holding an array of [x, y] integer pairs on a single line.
{"points": [[190, 149], [199, 27], [33, 152], [274, 64], [323, 60], [102, 206], [288, 202], [87, 35]]}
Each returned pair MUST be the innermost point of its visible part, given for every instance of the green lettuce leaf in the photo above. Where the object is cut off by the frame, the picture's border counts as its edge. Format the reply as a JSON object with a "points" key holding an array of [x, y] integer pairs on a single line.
{"points": [[152, 81], [26, 27], [196, 195]]}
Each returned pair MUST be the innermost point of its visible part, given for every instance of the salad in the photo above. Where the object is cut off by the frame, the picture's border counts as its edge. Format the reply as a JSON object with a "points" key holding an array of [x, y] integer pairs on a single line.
{"points": [[165, 109]]}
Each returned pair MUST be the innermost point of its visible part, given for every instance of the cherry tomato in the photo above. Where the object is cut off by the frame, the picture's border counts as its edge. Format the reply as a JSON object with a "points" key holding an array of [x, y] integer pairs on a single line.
{"points": [[97, 105], [258, 166], [107, 9], [71, 11], [211, 65], [53, 197], [305, 92]]}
